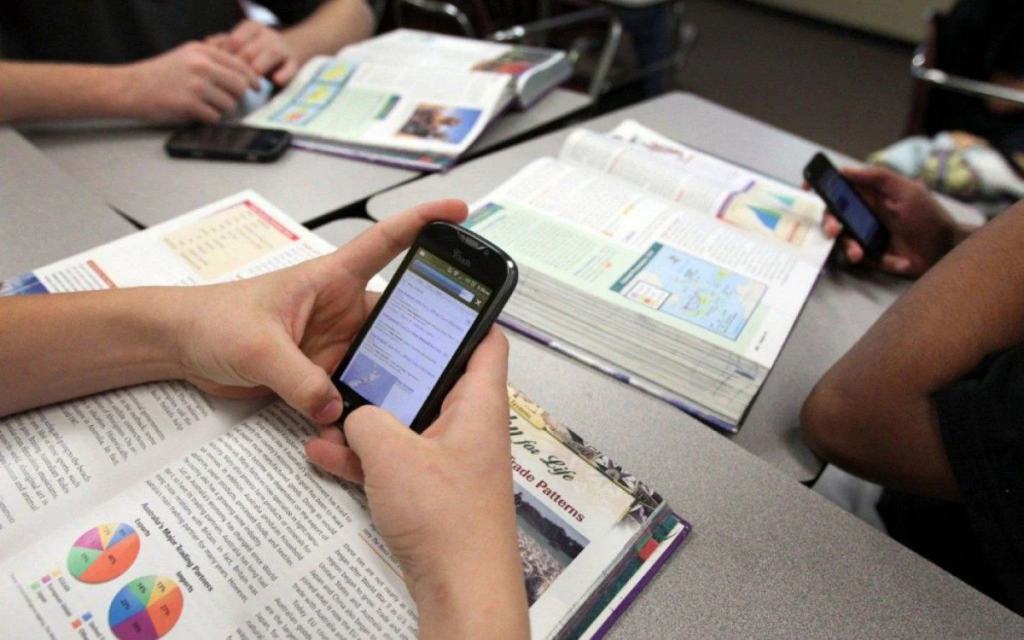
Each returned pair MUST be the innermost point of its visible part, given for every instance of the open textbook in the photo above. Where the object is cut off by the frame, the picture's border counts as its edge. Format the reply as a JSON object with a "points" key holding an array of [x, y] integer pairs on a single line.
{"points": [[671, 269], [410, 98], [161, 511]]}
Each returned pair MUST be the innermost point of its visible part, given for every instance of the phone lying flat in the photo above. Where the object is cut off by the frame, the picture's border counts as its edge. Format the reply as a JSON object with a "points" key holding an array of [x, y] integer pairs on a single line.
{"points": [[417, 341], [846, 204], [228, 142]]}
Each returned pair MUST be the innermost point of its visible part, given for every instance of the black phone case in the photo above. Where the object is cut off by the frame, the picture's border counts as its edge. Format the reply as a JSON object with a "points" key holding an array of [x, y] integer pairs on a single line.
{"points": [[432, 406]]}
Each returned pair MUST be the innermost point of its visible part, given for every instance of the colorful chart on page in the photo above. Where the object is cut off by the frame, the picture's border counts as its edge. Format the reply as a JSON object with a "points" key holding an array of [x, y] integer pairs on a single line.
{"points": [[146, 609], [104, 553]]}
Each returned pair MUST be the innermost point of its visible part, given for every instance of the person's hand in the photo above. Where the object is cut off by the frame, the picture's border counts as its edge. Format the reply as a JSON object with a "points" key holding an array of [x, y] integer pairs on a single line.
{"points": [[288, 330], [264, 49], [443, 501], [921, 229], [195, 81]]}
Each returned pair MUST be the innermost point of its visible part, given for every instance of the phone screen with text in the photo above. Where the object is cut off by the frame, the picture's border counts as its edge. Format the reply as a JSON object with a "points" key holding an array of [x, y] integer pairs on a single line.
{"points": [[415, 335], [849, 207]]}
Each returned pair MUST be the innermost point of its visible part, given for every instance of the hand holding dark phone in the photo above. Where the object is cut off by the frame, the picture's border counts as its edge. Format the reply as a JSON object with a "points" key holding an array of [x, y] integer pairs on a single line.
{"points": [[415, 345], [228, 142], [846, 204]]}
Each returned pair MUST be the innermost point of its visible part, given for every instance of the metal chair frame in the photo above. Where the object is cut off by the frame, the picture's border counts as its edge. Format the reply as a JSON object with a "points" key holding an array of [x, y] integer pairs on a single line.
{"points": [[921, 70]]}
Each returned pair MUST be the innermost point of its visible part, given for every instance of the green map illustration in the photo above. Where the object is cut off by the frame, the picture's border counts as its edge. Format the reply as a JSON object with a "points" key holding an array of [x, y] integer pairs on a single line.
{"points": [[691, 289]]}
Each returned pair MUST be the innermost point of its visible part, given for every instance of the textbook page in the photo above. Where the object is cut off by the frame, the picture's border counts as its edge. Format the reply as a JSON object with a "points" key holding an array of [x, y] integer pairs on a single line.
{"points": [[535, 70], [645, 254], [242, 538], [418, 109], [706, 184], [77, 453]]}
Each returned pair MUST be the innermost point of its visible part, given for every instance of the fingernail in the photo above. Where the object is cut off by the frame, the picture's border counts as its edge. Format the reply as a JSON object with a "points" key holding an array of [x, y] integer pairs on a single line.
{"points": [[329, 412]]}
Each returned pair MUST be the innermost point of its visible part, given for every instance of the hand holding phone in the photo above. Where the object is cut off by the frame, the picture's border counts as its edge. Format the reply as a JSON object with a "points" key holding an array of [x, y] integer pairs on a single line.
{"points": [[859, 221], [446, 295], [921, 231], [228, 142]]}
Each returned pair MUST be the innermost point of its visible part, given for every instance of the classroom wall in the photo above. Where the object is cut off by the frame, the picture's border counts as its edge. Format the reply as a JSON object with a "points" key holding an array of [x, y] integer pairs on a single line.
{"points": [[899, 19]]}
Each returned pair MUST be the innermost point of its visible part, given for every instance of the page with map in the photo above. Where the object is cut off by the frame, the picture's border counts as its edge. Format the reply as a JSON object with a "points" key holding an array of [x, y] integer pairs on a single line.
{"points": [[628, 263]]}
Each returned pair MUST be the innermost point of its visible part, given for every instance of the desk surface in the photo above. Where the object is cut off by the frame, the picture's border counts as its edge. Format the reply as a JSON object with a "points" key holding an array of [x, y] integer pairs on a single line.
{"points": [[840, 308], [767, 556], [44, 214], [127, 166]]}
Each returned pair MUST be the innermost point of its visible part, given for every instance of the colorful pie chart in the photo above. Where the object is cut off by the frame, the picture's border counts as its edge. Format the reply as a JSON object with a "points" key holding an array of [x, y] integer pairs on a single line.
{"points": [[146, 609], [104, 553]]}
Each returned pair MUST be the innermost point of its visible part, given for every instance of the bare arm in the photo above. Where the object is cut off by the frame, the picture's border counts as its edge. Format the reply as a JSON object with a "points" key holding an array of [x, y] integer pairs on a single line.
{"points": [[332, 26], [63, 346], [40, 91], [195, 81], [873, 412], [279, 54]]}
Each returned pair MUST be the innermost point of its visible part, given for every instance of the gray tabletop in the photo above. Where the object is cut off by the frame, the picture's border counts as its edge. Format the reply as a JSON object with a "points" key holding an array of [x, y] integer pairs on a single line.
{"points": [[44, 214], [767, 556], [127, 166]]}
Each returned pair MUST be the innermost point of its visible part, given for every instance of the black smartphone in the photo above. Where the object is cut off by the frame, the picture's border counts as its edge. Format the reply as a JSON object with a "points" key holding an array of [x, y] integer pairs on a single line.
{"points": [[442, 301], [228, 142], [847, 205]]}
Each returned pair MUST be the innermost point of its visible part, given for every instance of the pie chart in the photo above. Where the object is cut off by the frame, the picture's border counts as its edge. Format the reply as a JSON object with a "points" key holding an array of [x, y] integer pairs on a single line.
{"points": [[103, 553], [146, 609]]}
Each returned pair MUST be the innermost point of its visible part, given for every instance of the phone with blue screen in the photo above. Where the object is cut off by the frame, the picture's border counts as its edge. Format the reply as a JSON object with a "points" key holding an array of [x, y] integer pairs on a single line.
{"points": [[847, 205], [417, 341]]}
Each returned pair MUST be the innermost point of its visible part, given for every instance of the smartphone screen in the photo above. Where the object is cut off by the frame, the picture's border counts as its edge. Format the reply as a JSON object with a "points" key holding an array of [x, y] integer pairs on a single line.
{"points": [[849, 206], [415, 335]]}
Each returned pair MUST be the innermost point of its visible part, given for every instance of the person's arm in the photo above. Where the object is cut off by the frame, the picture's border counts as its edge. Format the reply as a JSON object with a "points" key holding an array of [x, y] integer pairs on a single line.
{"points": [[921, 229], [280, 54], [195, 81], [333, 25], [444, 501], [873, 412], [283, 331]]}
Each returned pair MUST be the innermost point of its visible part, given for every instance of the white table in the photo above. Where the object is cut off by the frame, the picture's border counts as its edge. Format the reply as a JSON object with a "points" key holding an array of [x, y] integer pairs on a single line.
{"points": [[126, 164], [767, 556], [840, 309], [44, 214]]}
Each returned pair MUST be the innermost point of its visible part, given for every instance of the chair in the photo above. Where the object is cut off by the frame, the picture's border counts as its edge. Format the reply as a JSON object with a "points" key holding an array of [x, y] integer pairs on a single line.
{"points": [[942, 90]]}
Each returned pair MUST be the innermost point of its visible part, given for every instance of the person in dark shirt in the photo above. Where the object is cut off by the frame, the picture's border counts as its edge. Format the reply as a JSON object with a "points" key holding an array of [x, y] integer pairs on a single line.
{"points": [[158, 60], [930, 402]]}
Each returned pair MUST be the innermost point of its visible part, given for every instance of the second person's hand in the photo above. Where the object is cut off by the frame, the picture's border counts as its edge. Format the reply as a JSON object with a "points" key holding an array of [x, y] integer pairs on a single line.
{"points": [[263, 48], [921, 229], [443, 500], [195, 81]]}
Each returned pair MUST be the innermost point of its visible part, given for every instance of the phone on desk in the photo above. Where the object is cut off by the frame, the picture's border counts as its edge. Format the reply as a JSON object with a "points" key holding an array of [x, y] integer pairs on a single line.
{"points": [[442, 302], [847, 205], [228, 142]]}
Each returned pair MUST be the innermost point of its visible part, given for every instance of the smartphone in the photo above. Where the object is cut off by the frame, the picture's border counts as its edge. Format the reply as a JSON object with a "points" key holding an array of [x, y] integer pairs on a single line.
{"points": [[442, 301], [228, 142], [847, 205]]}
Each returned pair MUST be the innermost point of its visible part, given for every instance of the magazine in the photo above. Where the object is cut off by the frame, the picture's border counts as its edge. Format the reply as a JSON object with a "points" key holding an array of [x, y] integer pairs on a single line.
{"points": [[159, 511], [410, 98], [666, 267]]}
